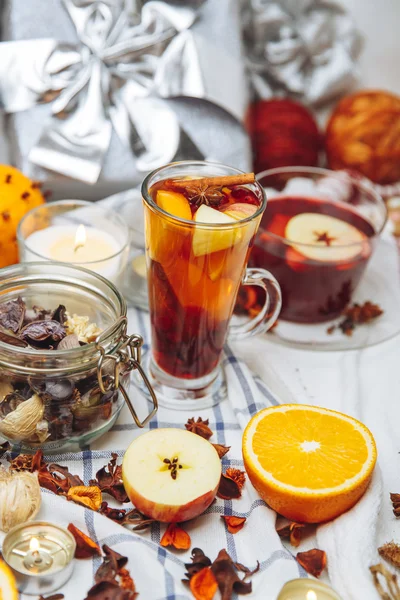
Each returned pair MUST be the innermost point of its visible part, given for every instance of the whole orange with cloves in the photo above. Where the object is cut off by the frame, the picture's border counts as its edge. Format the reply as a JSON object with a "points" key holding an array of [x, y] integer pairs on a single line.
{"points": [[18, 195]]}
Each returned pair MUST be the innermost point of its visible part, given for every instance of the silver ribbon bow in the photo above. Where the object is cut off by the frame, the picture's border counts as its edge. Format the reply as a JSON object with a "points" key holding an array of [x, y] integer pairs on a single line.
{"points": [[305, 48], [131, 56]]}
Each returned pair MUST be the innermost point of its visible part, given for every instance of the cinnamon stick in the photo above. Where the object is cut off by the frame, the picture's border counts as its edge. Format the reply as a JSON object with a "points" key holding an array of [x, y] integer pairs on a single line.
{"points": [[226, 180]]}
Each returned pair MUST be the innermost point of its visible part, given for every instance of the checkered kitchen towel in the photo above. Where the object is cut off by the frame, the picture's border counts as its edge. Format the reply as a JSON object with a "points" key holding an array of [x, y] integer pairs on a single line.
{"points": [[158, 572]]}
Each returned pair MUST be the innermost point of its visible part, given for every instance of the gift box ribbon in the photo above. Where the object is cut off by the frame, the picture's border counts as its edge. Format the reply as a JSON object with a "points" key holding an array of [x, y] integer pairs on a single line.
{"points": [[128, 58]]}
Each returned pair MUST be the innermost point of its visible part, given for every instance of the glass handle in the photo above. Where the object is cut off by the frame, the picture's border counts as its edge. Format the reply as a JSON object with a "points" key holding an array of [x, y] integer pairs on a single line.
{"points": [[269, 312]]}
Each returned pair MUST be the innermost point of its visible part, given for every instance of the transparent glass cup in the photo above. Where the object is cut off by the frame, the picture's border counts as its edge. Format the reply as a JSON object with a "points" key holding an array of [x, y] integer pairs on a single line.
{"points": [[319, 262], [191, 298]]}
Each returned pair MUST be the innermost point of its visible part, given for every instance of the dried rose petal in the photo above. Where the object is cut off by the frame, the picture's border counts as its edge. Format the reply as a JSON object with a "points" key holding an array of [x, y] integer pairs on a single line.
{"points": [[203, 584], [227, 577], [313, 561], [89, 496], [228, 489], [12, 314], [237, 475], [43, 334], [293, 532], [234, 524], [85, 546], [175, 536]]}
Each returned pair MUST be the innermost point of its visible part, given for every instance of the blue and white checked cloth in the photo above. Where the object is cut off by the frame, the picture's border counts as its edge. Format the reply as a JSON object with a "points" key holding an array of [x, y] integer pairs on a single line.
{"points": [[158, 572]]}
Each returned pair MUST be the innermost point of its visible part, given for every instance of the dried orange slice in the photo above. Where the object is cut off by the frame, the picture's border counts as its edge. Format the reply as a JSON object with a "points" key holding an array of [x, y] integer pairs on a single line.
{"points": [[310, 464], [8, 586]]}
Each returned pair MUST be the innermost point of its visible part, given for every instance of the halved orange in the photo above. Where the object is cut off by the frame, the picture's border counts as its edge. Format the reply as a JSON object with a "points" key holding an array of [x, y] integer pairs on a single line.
{"points": [[8, 586], [310, 464]]}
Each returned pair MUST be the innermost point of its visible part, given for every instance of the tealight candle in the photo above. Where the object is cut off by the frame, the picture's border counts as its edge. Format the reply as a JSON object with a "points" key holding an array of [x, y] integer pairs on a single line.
{"points": [[76, 232], [307, 589], [40, 555]]}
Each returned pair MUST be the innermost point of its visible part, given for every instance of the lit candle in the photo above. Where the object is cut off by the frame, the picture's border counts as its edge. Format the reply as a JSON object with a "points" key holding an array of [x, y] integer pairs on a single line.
{"points": [[90, 247], [307, 589], [40, 555]]}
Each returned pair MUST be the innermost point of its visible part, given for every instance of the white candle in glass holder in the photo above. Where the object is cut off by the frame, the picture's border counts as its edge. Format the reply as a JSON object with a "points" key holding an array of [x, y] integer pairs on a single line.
{"points": [[88, 247]]}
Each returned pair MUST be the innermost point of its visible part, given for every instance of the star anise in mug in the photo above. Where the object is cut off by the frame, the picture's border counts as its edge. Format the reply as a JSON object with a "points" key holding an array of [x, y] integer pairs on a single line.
{"points": [[202, 193]]}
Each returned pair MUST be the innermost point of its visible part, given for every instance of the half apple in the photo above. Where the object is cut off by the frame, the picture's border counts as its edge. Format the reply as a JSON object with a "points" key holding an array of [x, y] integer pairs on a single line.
{"points": [[324, 238], [171, 475]]}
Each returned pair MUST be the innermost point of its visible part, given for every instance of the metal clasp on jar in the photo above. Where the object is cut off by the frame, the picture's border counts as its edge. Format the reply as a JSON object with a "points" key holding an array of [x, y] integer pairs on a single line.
{"points": [[128, 357]]}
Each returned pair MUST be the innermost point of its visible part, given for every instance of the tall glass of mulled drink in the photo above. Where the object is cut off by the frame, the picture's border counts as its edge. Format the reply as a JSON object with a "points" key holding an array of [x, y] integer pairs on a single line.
{"points": [[200, 223], [317, 236]]}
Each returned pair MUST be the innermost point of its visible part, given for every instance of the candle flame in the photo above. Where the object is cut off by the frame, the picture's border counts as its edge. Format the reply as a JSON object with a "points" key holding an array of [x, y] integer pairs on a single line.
{"points": [[80, 237], [311, 595], [34, 544]]}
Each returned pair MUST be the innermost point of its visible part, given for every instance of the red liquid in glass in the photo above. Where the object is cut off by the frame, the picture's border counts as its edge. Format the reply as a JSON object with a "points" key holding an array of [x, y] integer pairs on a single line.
{"points": [[312, 290], [192, 297]]}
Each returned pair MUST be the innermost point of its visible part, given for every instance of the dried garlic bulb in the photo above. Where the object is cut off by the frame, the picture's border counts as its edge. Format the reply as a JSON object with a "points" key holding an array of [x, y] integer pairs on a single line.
{"points": [[20, 498], [87, 332], [21, 423]]}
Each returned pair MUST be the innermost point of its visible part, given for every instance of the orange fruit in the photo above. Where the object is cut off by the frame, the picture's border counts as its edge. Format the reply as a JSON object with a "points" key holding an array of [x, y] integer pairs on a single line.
{"points": [[309, 464], [8, 586], [18, 195], [174, 203]]}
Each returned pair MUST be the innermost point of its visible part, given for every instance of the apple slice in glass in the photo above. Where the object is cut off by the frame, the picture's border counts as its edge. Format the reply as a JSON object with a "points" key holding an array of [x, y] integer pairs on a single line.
{"points": [[171, 475], [324, 238]]}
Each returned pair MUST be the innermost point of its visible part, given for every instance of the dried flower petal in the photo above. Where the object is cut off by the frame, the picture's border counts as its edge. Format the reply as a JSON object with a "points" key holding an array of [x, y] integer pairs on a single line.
{"points": [[228, 489], [177, 537], [221, 450], [313, 561], [391, 553], [89, 496], [248, 572], [227, 577], [125, 580], [237, 475], [12, 314], [199, 561], [203, 584], [200, 427], [109, 590], [234, 524], [109, 480], [85, 546], [43, 334], [293, 532]]}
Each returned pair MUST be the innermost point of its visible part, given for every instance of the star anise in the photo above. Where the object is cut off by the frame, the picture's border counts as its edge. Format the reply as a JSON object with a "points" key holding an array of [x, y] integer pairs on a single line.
{"points": [[324, 236], [200, 427], [211, 195]]}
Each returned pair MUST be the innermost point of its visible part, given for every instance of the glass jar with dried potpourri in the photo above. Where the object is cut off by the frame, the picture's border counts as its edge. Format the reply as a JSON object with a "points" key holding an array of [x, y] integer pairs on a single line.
{"points": [[65, 356]]}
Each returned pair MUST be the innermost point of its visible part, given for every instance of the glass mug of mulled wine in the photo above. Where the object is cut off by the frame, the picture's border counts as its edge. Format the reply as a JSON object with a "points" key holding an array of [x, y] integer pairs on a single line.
{"points": [[200, 222], [316, 238]]}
